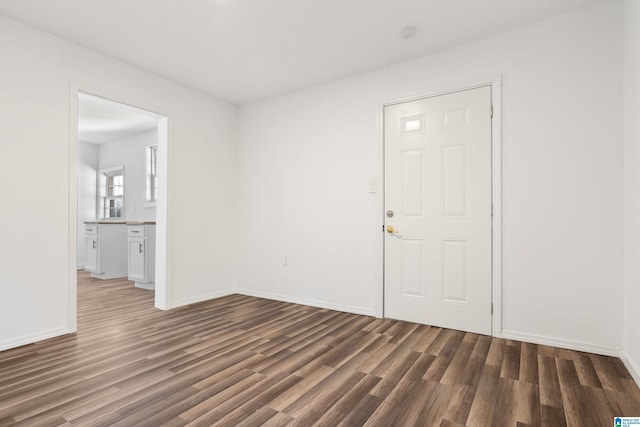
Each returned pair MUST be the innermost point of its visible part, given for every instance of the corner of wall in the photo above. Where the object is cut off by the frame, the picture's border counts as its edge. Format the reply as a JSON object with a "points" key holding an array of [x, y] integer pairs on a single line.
{"points": [[633, 368], [631, 108]]}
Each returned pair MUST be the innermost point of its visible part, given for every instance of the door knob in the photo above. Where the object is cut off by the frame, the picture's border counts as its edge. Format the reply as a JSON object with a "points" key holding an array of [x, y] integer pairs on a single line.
{"points": [[391, 229]]}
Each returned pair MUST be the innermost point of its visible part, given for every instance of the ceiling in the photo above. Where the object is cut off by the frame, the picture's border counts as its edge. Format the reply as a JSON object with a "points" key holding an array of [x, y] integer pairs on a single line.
{"points": [[246, 50], [101, 120]]}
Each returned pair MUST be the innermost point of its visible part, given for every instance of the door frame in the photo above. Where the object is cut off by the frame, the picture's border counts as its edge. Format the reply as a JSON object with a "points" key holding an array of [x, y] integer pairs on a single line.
{"points": [[495, 83], [162, 273]]}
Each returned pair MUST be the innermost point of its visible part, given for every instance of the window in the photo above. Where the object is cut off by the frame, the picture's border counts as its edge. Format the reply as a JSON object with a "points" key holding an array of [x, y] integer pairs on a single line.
{"points": [[152, 176], [111, 190]]}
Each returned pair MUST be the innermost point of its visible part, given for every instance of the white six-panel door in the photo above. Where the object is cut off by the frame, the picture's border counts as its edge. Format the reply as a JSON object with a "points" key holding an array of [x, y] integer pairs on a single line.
{"points": [[438, 211]]}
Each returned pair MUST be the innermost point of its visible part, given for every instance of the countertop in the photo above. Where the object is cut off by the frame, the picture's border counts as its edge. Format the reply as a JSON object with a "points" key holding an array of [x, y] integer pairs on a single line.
{"points": [[122, 222]]}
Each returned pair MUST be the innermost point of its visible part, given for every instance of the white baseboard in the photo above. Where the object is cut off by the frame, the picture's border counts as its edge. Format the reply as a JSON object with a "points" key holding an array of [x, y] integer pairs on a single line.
{"points": [[201, 298], [319, 304], [145, 285], [633, 368], [30, 339], [562, 343]]}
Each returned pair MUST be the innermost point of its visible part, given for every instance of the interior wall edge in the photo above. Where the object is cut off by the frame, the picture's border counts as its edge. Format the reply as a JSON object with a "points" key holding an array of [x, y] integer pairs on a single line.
{"points": [[32, 339], [562, 343], [365, 311], [631, 366], [200, 298], [631, 129]]}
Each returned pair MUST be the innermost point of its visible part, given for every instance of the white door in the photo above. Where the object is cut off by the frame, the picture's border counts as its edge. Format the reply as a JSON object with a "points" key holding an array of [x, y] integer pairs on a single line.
{"points": [[136, 265], [438, 211]]}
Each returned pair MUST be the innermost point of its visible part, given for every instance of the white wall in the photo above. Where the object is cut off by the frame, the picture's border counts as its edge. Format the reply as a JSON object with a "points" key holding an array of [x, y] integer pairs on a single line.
{"points": [[37, 260], [631, 10], [87, 167], [304, 165], [305, 161], [131, 152]]}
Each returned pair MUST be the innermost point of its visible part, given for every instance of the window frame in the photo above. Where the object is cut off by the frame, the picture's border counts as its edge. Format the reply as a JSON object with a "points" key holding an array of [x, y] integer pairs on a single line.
{"points": [[151, 176], [103, 190]]}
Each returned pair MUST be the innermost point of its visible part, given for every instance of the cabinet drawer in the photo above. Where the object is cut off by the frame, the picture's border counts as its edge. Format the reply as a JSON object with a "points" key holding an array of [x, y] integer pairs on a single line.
{"points": [[91, 229], [135, 231]]}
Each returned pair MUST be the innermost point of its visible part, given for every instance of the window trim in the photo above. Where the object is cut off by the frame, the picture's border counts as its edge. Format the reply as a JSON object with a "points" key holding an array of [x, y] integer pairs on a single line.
{"points": [[151, 178], [102, 192]]}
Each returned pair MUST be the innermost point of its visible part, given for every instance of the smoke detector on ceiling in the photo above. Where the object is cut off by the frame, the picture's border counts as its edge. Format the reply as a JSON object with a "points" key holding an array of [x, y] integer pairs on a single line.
{"points": [[408, 32]]}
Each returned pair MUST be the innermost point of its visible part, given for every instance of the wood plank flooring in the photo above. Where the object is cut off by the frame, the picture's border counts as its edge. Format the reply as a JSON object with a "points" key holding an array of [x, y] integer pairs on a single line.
{"points": [[243, 361]]}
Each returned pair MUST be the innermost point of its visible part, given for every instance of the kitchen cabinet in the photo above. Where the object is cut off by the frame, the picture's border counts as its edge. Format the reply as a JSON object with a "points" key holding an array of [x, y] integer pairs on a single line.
{"points": [[141, 242], [106, 250], [91, 248]]}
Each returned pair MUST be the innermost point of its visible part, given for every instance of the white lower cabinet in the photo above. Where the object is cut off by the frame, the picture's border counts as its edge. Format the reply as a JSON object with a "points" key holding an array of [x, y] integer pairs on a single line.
{"points": [[91, 254], [141, 241], [106, 250], [137, 255]]}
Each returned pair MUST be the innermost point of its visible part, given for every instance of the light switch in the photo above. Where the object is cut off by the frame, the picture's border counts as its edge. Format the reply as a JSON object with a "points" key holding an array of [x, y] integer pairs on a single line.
{"points": [[373, 186]]}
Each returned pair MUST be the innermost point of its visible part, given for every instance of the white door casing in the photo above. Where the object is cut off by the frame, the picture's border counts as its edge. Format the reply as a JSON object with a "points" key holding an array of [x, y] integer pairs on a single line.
{"points": [[438, 184]]}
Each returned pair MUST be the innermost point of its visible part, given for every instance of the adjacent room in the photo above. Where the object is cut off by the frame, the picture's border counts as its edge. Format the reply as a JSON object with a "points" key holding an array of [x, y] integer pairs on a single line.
{"points": [[319, 213], [117, 176]]}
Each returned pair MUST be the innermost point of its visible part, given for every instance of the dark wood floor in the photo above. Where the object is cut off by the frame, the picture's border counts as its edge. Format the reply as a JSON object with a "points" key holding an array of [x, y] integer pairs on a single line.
{"points": [[243, 361]]}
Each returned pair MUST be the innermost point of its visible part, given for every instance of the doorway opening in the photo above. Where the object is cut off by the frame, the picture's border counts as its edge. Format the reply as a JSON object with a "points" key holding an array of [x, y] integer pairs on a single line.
{"points": [[119, 187]]}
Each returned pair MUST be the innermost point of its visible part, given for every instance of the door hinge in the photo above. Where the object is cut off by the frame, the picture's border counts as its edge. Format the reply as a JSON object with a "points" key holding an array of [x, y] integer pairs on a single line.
{"points": [[492, 210], [492, 111], [492, 309]]}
